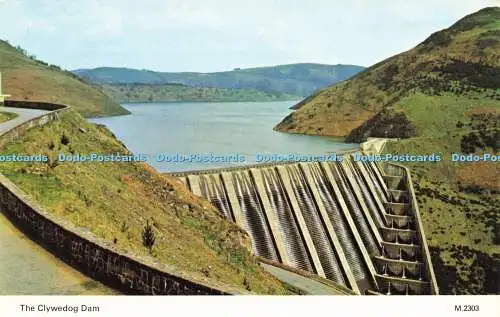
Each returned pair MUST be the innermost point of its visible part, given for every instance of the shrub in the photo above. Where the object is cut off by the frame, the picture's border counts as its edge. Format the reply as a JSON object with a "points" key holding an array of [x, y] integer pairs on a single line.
{"points": [[148, 237], [64, 139]]}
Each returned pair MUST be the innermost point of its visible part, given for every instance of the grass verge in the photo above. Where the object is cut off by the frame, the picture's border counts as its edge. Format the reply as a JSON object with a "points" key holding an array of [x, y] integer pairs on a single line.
{"points": [[6, 116]]}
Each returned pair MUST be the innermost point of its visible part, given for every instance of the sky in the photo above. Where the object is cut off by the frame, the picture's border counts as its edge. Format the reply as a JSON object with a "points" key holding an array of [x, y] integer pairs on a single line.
{"points": [[218, 35]]}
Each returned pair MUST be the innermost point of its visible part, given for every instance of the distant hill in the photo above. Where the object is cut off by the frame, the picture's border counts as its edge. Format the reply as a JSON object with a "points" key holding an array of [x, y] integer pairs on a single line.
{"points": [[443, 97], [129, 93], [26, 78], [293, 79]]}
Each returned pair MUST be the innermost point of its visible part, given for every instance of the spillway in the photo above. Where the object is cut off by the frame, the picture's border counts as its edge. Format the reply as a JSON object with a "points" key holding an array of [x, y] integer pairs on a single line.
{"points": [[295, 247], [254, 220], [354, 223], [315, 226], [339, 222], [346, 186]]}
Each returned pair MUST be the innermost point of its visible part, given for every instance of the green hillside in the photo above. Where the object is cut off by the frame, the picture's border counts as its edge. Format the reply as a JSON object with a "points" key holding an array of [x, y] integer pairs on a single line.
{"points": [[26, 78], [459, 60], [293, 79], [126, 93], [443, 96]]}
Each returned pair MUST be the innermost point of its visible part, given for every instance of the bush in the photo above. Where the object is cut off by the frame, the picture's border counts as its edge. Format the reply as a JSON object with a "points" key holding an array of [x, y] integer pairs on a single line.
{"points": [[148, 237], [64, 139]]}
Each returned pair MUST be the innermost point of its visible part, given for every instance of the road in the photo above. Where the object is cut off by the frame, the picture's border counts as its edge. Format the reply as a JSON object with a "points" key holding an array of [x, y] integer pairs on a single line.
{"points": [[23, 116], [28, 269], [305, 284]]}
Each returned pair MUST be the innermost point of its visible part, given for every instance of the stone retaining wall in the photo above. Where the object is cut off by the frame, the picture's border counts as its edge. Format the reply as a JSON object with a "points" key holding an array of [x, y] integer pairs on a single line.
{"points": [[20, 130], [80, 248]]}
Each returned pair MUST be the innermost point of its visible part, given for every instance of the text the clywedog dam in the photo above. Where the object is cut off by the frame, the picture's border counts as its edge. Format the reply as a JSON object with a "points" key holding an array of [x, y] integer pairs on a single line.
{"points": [[58, 308]]}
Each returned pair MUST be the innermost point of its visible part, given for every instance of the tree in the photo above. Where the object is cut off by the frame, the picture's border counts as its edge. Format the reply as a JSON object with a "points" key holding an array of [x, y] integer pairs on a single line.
{"points": [[148, 237]]}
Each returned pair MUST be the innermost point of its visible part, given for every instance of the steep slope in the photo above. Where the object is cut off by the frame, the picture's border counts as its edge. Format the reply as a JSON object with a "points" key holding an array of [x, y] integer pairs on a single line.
{"points": [[441, 97], [114, 200], [294, 79], [26, 78], [461, 59]]}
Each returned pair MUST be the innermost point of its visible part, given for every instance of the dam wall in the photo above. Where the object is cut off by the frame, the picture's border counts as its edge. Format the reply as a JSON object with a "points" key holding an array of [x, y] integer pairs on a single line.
{"points": [[80, 248], [353, 223]]}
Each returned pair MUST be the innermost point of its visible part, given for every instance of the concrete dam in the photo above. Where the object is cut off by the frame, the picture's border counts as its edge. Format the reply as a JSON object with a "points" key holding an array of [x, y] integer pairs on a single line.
{"points": [[354, 223]]}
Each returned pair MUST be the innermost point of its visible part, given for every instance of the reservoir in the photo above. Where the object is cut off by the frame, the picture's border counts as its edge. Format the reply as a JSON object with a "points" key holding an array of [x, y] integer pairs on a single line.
{"points": [[162, 130]]}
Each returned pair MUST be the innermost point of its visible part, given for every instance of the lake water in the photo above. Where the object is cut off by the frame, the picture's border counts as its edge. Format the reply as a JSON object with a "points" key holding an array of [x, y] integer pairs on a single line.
{"points": [[205, 128]]}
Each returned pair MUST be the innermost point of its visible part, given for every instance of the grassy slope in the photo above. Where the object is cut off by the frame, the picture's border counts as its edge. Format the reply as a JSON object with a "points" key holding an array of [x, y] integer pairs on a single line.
{"points": [[466, 56], [459, 204], [152, 93], [448, 109], [114, 200], [5, 116], [28, 79], [459, 201], [295, 79]]}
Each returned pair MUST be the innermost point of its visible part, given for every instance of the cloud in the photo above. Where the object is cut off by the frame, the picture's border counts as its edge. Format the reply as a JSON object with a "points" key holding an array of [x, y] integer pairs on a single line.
{"points": [[210, 35]]}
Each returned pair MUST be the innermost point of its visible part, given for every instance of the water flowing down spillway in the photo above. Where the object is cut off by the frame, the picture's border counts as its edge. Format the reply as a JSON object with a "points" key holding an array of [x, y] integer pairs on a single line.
{"points": [[378, 180], [335, 219], [357, 214], [212, 189], [342, 230], [374, 211], [314, 224], [380, 192], [254, 219], [296, 250]]}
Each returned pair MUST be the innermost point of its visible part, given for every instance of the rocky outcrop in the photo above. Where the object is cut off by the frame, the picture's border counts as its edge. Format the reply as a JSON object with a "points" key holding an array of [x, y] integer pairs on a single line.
{"points": [[386, 124]]}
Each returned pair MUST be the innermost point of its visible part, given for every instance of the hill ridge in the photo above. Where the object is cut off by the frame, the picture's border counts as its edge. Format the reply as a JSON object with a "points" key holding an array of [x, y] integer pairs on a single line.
{"points": [[295, 79], [460, 58]]}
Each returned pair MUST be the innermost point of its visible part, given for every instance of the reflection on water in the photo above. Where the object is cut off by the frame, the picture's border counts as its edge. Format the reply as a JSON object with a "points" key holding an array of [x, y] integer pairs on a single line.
{"points": [[212, 127], [28, 269]]}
